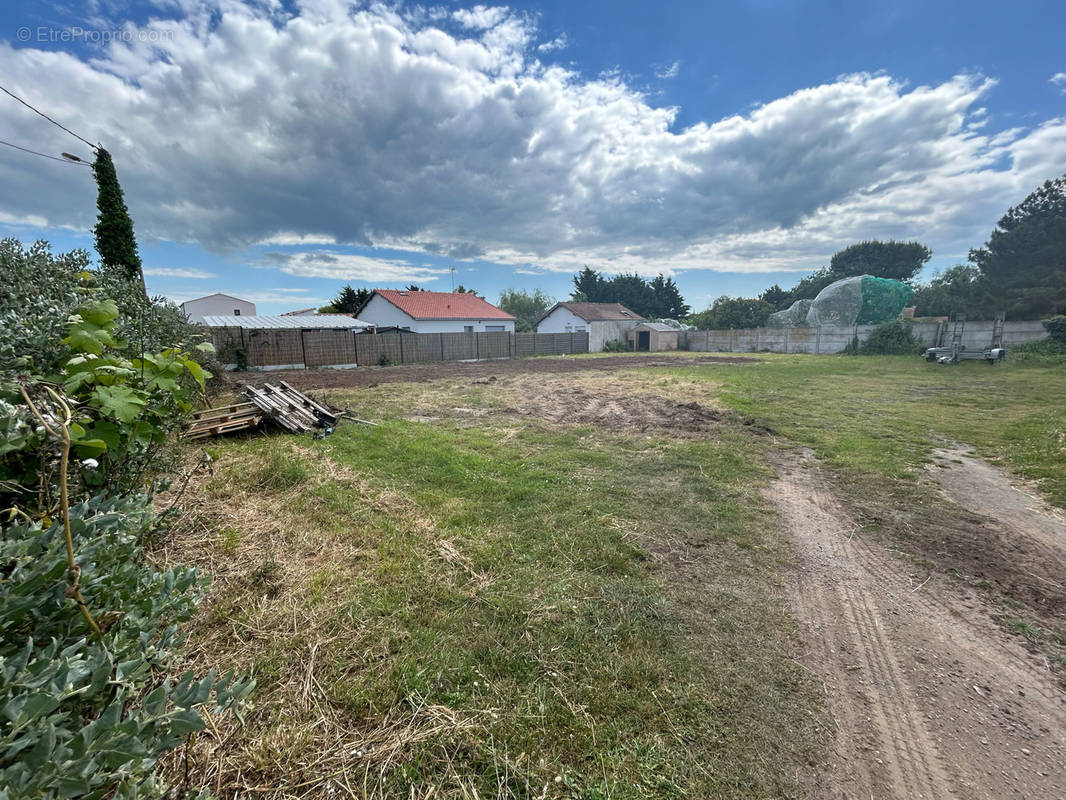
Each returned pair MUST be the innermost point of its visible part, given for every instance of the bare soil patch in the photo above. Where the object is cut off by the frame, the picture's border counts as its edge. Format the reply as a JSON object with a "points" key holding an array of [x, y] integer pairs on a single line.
{"points": [[621, 412], [599, 400], [414, 373], [982, 488], [929, 696]]}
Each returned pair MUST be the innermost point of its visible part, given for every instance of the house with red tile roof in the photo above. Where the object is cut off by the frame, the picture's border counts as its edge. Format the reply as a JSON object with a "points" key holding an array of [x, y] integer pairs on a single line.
{"points": [[434, 312]]}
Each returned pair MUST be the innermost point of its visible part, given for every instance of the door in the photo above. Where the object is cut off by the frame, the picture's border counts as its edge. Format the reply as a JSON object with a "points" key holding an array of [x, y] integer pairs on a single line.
{"points": [[643, 340]]}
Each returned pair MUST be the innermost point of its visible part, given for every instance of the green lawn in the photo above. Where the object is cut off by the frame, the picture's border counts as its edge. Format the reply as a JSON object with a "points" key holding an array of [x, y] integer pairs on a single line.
{"points": [[493, 605]]}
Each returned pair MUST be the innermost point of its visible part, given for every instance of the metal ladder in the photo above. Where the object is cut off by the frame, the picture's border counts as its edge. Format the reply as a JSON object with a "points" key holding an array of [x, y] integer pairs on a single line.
{"points": [[956, 337], [997, 329]]}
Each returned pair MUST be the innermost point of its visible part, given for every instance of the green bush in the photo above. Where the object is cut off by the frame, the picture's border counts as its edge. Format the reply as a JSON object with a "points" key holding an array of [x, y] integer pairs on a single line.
{"points": [[1056, 328], [123, 410], [1044, 351], [39, 291], [92, 388], [86, 716], [894, 338], [616, 346]]}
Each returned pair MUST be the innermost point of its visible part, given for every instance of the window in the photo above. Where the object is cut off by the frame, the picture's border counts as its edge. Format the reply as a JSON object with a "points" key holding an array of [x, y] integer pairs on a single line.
{"points": [[236, 312], [495, 328], [579, 329], [626, 314], [468, 329]]}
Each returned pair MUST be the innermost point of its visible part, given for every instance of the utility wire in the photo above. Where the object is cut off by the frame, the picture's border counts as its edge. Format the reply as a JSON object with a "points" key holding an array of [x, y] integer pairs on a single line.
{"points": [[45, 155], [36, 111]]}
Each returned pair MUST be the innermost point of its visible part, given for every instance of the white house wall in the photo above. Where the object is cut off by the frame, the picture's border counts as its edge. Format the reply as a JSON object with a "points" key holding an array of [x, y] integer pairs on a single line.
{"points": [[459, 325], [563, 320], [382, 313], [196, 310]]}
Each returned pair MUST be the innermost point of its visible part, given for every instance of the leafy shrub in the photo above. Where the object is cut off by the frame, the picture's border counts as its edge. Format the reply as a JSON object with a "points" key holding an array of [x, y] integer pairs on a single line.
{"points": [[39, 290], [1056, 328], [894, 338], [88, 716], [91, 388], [1043, 351], [616, 346], [124, 410], [384, 360]]}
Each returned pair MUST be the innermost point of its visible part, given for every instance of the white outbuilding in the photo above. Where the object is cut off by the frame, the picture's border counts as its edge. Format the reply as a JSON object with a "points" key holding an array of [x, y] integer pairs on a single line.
{"points": [[217, 304], [604, 322]]}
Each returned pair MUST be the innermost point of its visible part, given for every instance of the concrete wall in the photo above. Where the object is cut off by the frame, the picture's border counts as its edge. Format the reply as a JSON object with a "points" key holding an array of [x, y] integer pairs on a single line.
{"points": [[832, 339], [382, 313], [217, 305]]}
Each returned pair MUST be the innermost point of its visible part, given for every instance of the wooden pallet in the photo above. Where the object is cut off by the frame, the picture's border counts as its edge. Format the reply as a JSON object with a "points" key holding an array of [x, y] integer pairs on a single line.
{"points": [[224, 419], [289, 408]]}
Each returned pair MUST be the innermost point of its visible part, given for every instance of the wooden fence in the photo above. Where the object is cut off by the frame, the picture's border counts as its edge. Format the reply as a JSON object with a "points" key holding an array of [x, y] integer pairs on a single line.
{"points": [[291, 348]]}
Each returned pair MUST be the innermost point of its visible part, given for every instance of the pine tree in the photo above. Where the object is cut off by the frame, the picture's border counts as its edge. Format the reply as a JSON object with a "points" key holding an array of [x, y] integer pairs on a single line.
{"points": [[349, 300], [589, 286], [115, 241]]}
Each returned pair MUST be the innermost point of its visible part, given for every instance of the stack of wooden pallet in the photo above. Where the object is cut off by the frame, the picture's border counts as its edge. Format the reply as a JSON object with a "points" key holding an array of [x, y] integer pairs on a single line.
{"points": [[288, 408], [215, 421]]}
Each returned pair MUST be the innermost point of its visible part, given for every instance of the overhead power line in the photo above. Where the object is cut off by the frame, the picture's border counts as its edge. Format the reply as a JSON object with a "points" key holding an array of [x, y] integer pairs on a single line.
{"points": [[38, 111], [45, 155]]}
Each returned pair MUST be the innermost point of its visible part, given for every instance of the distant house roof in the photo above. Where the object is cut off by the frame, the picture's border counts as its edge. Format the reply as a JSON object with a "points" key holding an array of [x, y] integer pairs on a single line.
{"points": [[656, 326], [596, 312], [442, 305], [217, 294], [264, 322], [302, 312]]}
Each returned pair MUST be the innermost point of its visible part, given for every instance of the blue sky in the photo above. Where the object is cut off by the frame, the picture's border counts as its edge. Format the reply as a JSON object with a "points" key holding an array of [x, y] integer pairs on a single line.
{"points": [[280, 150]]}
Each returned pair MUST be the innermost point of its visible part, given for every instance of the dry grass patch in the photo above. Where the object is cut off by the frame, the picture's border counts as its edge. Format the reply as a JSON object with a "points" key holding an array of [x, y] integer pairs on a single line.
{"points": [[495, 611]]}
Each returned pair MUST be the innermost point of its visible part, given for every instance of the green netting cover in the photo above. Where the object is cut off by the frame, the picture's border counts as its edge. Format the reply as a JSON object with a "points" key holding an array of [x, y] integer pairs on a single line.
{"points": [[882, 300], [795, 314], [862, 300]]}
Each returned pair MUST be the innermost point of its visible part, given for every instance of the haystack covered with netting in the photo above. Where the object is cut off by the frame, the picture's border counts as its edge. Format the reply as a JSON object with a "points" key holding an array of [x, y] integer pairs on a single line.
{"points": [[862, 300]]}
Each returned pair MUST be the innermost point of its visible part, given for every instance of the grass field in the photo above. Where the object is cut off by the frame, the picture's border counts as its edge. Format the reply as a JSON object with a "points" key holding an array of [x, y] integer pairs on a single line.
{"points": [[512, 589]]}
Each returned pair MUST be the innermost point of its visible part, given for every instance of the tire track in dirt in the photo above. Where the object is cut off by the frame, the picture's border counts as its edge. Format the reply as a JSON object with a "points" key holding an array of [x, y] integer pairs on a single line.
{"points": [[927, 695]]}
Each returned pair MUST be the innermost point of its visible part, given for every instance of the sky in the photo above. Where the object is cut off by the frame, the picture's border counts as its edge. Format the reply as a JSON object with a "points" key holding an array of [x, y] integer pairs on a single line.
{"points": [[279, 150]]}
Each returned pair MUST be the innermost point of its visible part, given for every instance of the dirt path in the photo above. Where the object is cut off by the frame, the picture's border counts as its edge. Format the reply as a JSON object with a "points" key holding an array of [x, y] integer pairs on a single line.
{"points": [[369, 376], [928, 697], [982, 488]]}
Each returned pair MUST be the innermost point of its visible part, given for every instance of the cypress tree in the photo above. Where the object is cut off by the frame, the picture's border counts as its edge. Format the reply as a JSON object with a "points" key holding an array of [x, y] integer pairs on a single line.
{"points": [[114, 229]]}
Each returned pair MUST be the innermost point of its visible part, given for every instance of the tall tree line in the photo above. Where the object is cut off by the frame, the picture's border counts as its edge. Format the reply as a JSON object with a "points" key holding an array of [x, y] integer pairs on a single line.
{"points": [[657, 298]]}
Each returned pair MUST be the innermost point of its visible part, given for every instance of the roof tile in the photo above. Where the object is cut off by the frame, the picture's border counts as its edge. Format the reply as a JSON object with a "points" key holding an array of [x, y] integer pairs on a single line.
{"points": [[442, 305]]}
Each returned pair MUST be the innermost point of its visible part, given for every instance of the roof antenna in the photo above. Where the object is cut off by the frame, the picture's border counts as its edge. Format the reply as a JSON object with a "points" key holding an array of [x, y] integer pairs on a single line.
{"points": [[451, 269]]}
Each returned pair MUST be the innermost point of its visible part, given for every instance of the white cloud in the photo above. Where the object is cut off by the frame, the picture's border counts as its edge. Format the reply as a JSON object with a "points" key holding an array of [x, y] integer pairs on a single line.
{"points": [[558, 43], [481, 17], [349, 267], [670, 71], [170, 272], [1059, 79], [327, 126]]}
